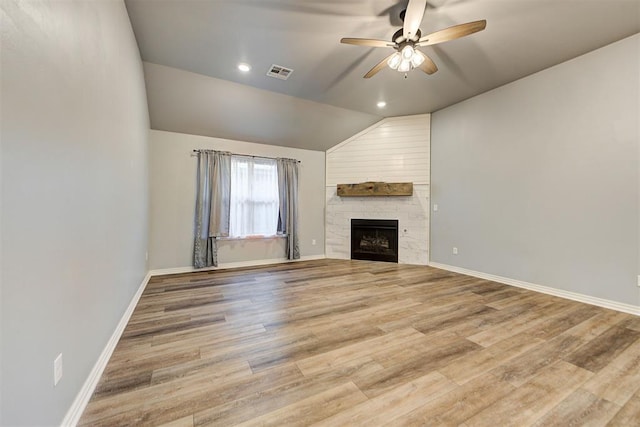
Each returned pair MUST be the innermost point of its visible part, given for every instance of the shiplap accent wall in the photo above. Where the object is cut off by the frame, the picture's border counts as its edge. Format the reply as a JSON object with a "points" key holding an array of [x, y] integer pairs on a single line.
{"points": [[393, 150]]}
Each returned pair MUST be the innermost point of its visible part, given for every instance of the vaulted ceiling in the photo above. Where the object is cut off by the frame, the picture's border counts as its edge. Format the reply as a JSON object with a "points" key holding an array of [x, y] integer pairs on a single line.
{"points": [[191, 50]]}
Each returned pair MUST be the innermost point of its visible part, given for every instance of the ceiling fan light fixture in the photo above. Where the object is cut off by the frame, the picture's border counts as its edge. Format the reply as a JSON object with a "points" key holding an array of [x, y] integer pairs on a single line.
{"points": [[417, 59], [394, 61], [407, 52], [405, 65]]}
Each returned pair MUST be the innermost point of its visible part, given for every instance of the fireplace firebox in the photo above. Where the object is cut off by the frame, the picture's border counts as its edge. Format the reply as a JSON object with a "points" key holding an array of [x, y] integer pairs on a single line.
{"points": [[374, 239]]}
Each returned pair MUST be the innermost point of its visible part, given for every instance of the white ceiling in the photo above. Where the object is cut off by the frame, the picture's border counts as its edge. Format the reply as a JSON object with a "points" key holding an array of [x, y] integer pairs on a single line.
{"points": [[210, 37]]}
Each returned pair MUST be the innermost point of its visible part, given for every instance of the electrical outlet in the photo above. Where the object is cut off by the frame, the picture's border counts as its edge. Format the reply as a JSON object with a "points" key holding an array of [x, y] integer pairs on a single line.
{"points": [[639, 280], [57, 370], [313, 242], [455, 251], [435, 207], [146, 256]]}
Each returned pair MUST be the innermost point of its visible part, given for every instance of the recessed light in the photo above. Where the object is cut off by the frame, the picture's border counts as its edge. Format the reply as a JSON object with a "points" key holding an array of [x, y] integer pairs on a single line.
{"points": [[381, 104], [244, 67]]}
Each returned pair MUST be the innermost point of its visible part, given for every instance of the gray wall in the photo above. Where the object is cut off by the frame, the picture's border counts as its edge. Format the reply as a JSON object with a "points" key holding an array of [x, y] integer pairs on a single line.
{"points": [[173, 192], [190, 103], [538, 180], [74, 195]]}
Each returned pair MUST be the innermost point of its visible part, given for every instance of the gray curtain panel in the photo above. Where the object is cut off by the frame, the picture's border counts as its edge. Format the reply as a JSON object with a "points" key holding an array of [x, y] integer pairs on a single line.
{"points": [[212, 206], [288, 217]]}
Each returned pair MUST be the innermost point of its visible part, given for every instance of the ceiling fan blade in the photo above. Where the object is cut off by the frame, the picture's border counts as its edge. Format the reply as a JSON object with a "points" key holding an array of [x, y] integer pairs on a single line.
{"points": [[379, 66], [452, 33], [413, 18], [428, 66], [367, 42]]}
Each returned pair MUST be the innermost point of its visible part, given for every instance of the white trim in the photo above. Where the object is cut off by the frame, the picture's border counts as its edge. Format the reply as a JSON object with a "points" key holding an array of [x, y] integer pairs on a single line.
{"points": [[255, 263], [600, 302], [82, 398]]}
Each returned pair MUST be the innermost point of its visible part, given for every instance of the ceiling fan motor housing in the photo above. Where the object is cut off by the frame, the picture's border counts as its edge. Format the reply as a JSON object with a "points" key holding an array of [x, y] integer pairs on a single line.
{"points": [[399, 38]]}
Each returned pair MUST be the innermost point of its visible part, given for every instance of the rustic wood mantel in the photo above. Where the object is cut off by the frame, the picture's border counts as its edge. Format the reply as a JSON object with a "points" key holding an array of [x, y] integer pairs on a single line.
{"points": [[368, 189]]}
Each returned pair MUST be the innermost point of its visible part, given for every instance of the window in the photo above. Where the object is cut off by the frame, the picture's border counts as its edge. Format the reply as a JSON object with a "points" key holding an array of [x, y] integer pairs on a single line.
{"points": [[254, 197]]}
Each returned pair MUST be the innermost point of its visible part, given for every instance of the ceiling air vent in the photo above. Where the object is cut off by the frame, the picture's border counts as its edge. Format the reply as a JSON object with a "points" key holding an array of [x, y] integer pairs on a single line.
{"points": [[279, 72]]}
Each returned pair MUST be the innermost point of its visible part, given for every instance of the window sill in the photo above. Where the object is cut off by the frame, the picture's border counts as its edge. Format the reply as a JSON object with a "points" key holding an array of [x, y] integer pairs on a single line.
{"points": [[277, 236]]}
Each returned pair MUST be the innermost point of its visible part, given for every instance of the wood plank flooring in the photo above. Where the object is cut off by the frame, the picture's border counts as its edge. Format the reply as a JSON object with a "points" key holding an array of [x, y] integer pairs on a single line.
{"points": [[335, 342]]}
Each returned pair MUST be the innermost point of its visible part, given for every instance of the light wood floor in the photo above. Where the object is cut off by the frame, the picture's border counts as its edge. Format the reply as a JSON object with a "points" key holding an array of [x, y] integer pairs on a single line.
{"points": [[361, 343]]}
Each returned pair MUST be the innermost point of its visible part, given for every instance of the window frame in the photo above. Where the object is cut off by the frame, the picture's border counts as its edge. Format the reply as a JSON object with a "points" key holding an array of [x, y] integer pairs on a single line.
{"points": [[252, 162]]}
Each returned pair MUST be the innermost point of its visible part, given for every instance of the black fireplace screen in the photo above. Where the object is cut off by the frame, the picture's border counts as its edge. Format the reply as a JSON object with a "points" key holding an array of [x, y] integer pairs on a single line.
{"points": [[374, 239]]}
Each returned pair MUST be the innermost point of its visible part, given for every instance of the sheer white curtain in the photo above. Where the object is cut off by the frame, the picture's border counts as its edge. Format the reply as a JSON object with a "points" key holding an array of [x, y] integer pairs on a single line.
{"points": [[254, 197]]}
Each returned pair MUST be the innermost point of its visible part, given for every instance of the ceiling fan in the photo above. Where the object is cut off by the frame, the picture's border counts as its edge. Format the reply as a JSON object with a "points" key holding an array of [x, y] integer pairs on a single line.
{"points": [[408, 38]]}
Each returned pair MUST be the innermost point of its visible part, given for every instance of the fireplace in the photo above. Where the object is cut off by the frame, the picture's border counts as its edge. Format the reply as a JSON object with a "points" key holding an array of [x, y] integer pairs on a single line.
{"points": [[374, 239]]}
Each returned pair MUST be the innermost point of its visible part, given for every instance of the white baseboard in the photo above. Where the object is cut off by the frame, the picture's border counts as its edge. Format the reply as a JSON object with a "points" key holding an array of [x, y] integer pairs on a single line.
{"points": [[80, 403], [254, 263], [600, 302]]}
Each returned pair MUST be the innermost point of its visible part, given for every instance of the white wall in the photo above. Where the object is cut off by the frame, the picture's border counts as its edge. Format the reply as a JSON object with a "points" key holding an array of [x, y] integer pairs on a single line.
{"points": [[74, 195], [393, 150], [538, 180], [173, 194]]}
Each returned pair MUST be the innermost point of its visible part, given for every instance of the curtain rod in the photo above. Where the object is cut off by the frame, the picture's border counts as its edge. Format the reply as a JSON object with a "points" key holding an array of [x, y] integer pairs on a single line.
{"points": [[243, 155]]}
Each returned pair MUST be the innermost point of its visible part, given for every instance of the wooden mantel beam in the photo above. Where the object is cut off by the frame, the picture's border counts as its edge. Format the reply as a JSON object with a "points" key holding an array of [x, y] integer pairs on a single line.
{"points": [[368, 189]]}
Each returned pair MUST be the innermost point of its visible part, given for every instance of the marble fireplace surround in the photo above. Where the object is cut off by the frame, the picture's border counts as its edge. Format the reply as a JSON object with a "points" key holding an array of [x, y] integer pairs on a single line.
{"points": [[412, 213]]}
